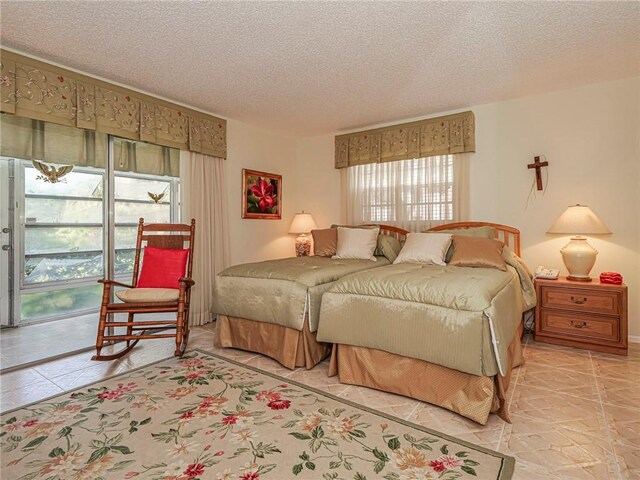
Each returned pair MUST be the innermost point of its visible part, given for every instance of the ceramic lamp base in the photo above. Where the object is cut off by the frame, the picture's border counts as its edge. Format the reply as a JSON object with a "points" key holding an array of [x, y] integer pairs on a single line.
{"points": [[303, 246], [579, 279], [579, 258]]}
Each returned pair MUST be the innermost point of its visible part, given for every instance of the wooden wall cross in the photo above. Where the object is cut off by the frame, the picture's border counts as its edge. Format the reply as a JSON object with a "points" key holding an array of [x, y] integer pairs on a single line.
{"points": [[537, 164]]}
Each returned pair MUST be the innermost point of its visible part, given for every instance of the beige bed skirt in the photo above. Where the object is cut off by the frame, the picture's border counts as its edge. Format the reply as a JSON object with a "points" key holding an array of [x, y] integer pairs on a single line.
{"points": [[471, 396], [292, 348]]}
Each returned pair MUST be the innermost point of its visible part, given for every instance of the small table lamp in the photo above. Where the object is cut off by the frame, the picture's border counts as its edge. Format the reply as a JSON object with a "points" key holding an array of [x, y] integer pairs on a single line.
{"points": [[578, 255], [302, 225]]}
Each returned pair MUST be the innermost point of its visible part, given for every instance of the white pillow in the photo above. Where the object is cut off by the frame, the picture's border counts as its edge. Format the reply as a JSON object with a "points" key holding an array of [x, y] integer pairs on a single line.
{"points": [[357, 243], [428, 248]]}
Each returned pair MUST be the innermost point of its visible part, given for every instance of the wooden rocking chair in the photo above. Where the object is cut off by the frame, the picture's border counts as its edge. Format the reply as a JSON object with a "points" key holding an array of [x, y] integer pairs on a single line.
{"points": [[140, 300]]}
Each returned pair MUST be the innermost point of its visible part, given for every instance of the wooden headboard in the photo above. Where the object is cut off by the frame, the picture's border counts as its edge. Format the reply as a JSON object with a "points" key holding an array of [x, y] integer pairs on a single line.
{"points": [[509, 235], [396, 232]]}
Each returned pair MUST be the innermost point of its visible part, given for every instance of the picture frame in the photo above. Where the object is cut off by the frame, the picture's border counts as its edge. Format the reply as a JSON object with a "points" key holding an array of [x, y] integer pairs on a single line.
{"points": [[261, 195]]}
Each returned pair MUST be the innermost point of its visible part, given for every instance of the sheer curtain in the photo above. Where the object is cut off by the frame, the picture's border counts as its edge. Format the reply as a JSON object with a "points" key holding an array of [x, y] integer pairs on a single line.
{"points": [[203, 197], [412, 194]]}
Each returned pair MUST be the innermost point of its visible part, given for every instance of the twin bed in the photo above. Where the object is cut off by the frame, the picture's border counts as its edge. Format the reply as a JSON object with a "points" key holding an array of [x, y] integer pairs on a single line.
{"points": [[446, 335]]}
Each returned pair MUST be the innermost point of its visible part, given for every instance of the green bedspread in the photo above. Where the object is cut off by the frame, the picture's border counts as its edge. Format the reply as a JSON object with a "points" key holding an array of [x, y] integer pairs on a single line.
{"points": [[282, 291], [462, 318]]}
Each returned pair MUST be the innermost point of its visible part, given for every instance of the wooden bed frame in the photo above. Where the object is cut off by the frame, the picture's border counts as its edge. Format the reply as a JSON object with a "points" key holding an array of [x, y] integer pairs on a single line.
{"points": [[469, 395], [292, 348]]}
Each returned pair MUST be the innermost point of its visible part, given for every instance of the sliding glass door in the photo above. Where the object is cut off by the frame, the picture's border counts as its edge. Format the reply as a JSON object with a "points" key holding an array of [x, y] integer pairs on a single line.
{"points": [[57, 229], [61, 253]]}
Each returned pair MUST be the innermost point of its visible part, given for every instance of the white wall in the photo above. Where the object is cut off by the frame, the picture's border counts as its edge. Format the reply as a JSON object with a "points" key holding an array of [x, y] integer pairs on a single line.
{"points": [[317, 181], [591, 138], [257, 149]]}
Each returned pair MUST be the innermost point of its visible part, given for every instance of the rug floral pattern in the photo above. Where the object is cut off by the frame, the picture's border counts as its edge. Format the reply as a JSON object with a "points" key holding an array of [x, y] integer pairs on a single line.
{"points": [[203, 417]]}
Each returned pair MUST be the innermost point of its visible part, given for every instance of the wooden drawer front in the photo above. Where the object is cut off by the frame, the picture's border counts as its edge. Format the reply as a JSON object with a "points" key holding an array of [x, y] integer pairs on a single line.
{"points": [[581, 300], [579, 326]]}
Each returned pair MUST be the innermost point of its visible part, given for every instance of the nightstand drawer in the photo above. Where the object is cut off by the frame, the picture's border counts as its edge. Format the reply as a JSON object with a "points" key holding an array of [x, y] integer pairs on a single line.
{"points": [[557, 322], [581, 300]]}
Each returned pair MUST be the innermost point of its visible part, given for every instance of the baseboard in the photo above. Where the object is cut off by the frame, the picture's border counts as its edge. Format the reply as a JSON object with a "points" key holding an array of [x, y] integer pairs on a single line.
{"points": [[634, 339]]}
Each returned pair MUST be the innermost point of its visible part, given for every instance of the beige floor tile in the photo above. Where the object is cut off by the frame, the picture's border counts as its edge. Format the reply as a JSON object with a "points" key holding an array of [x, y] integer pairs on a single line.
{"points": [[317, 378], [86, 376], [622, 369], [207, 328], [624, 424], [442, 420], [68, 364], [529, 471], [567, 451], [203, 341], [557, 380], [21, 396], [538, 404], [395, 405], [30, 343], [576, 361], [628, 460], [20, 379], [619, 392], [268, 365], [232, 354]]}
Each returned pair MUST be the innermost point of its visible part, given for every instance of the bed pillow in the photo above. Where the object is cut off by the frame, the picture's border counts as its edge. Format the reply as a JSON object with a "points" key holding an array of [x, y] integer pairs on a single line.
{"points": [[359, 243], [325, 242], [162, 267], [482, 232], [427, 248], [385, 248], [477, 252], [388, 247]]}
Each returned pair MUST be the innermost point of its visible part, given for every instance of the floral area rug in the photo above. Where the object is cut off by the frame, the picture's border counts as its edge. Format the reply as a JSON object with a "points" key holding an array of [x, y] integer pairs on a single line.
{"points": [[205, 417]]}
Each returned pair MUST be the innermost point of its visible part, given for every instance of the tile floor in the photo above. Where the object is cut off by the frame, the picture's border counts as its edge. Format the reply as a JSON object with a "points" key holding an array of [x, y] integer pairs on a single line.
{"points": [[31, 343], [575, 413]]}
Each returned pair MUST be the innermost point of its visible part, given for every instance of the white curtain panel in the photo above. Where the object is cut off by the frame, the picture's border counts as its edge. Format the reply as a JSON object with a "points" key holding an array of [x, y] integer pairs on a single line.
{"points": [[203, 197], [412, 194]]}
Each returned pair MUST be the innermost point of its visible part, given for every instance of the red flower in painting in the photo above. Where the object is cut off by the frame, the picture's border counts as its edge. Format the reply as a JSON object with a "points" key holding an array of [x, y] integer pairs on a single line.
{"points": [[194, 470], [279, 404], [264, 192], [437, 465]]}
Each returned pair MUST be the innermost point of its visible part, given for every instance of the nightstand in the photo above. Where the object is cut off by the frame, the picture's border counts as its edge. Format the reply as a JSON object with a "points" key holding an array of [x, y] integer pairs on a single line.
{"points": [[579, 314]]}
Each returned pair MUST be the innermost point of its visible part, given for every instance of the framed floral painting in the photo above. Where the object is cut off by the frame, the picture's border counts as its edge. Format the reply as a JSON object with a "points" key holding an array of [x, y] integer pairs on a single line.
{"points": [[261, 195]]}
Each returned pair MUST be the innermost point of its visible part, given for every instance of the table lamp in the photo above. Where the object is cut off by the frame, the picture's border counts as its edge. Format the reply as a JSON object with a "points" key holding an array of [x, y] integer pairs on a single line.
{"points": [[302, 225], [578, 255]]}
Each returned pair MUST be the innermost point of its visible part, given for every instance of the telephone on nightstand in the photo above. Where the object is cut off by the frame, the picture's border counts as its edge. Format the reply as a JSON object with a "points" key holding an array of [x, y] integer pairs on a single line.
{"points": [[547, 273]]}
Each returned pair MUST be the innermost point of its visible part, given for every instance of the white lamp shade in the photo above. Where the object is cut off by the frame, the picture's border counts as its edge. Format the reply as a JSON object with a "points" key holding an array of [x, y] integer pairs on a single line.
{"points": [[579, 220], [302, 223]]}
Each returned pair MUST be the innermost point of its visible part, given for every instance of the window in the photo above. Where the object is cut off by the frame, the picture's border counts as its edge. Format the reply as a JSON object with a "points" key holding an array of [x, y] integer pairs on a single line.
{"points": [[63, 231], [62, 227], [151, 197], [412, 194]]}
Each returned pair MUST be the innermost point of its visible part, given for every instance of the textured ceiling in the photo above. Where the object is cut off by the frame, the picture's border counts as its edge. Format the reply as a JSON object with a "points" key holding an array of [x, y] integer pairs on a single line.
{"points": [[308, 68]]}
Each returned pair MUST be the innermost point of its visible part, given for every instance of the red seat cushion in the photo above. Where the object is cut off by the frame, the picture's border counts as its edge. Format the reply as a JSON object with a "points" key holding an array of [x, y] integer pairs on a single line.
{"points": [[162, 267]]}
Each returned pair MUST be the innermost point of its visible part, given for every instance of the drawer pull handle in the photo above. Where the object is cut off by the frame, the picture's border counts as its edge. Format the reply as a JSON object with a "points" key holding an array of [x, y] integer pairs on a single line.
{"points": [[579, 301], [578, 324]]}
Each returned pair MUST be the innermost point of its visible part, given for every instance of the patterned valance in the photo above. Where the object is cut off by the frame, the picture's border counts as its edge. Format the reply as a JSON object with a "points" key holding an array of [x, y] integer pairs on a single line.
{"points": [[425, 138], [40, 91]]}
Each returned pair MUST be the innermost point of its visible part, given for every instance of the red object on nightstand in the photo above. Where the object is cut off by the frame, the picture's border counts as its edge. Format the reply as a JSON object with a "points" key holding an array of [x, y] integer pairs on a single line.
{"points": [[612, 278]]}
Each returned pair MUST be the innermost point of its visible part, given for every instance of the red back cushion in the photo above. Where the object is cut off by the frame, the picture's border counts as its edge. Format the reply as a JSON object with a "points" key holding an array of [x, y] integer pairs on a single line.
{"points": [[162, 267]]}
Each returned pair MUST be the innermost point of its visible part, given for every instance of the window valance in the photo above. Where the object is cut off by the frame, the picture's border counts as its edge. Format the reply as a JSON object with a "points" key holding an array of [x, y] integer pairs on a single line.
{"points": [[40, 91], [425, 138]]}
